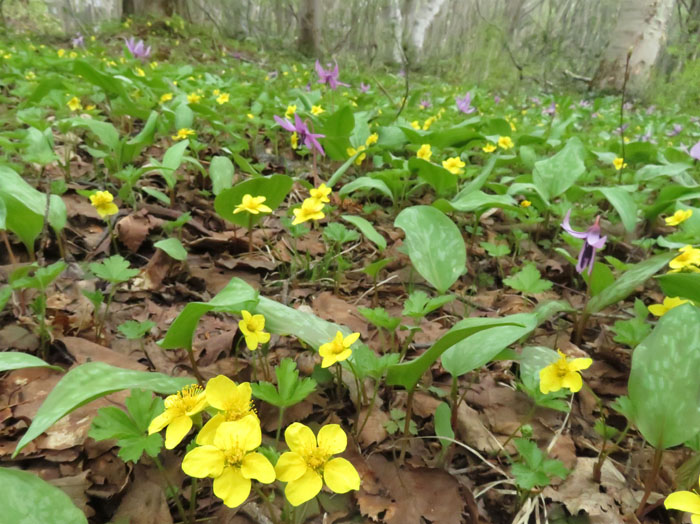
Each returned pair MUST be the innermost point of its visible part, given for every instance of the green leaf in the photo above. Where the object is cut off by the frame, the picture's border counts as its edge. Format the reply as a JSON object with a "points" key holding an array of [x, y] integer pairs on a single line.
{"points": [[88, 382], [495, 250], [221, 174], [290, 388], [418, 304], [528, 280], [380, 318], [115, 269], [663, 386], [439, 178], [134, 330], [337, 233], [171, 162], [173, 247], [106, 132], [554, 175], [42, 277], [635, 276], [366, 183], [476, 200], [157, 194], [623, 203], [367, 229], [27, 499], [435, 245], [18, 360], [367, 364], [184, 117], [39, 147], [337, 129], [443, 424], [237, 295], [631, 332], [683, 285], [3, 215], [274, 188]]}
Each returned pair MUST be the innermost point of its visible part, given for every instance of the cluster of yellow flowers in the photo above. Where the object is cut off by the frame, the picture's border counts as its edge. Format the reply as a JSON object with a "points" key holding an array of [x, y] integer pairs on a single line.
{"points": [[688, 260], [312, 207], [351, 151]]}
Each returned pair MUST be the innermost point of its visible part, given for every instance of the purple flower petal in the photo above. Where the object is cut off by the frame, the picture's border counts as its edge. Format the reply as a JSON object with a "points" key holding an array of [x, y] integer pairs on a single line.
{"points": [[695, 151], [567, 227]]}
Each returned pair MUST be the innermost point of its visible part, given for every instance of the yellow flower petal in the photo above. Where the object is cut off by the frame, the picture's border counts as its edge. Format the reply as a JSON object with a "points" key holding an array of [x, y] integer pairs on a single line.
{"points": [[290, 466], [304, 488], [332, 439], [161, 421], [219, 391], [299, 437], [244, 434], [232, 487], [579, 364], [684, 501], [350, 339], [177, 430], [572, 381], [204, 461], [340, 475], [549, 380], [256, 466], [206, 434]]}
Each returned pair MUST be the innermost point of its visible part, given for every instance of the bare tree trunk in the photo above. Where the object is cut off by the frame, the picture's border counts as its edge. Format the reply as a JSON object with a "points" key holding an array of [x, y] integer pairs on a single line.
{"points": [[421, 19], [640, 33], [309, 27]]}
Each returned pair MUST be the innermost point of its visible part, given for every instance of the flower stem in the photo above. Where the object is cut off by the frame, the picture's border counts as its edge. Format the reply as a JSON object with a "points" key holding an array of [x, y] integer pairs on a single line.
{"points": [[250, 233], [280, 421], [266, 501], [193, 500], [195, 369], [172, 489], [407, 425], [650, 480]]}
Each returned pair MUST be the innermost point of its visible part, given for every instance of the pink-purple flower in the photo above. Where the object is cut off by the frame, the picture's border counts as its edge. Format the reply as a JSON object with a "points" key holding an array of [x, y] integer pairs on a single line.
{"points": [[695, 151], [364, 87], [550, 110], [138, 49], [78, 40], [425, 104], [592, 241], [305, 136], [464, 104], [329, 76]]}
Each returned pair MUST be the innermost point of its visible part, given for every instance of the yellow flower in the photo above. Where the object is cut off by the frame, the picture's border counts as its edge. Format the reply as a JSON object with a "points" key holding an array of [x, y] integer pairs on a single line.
{"points": [[659, 310], [686, 501], [337, 349], [351, 151], [563, 374], [320, 193], [512, 126], [372, 139], [30, 75], [678, 217], [504, 142], [415, 125], [291, 109], [429, 122], [74, 104], [250, 115], [231, 461], [252, 205], [619, 163], [178, 409], [525, 203], [61, 53], [309, 463], [216, 92], [689, 257], [139, 72], [153, 65], [425, 152], [317, 110], [166, 97], [103, 202], [488, 148], [294, 140], [454, 165], [252, 327], [183, 134], [193, 98], [311, 209], [233, 401], [222, 98]]}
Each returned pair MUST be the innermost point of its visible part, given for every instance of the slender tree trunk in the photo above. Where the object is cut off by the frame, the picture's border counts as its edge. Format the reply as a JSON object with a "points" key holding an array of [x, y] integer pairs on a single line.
{"points": [[421, 19], [641, 31], [309, 27]]}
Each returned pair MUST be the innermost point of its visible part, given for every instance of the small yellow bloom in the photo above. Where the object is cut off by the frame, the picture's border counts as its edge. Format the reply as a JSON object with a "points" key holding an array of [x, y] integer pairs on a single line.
{"points": [[166, 97], [294, 140], [525, 203], [351, 151], [688, 258], [139, 72], [193, 98], [289, 113], [178, 409], [183, 134], [250, 115], [504, 142], [311, 209], [252, 205], [425, 152], [429, 122], [153, 65], [320, 193], [222, 98], [563, 374], [309, 463], [103, 202], [415, 125], [90, 107], [512, 126], [74, 104], [337, 349], [30, 75], [216, 92], [659, 310], [231, 461], [252, 327], [317, 110], [233, 402], [454, 165], [372, 139], [678, 217], [61, 53], [619, 163], [488, 148], [685, 501]]}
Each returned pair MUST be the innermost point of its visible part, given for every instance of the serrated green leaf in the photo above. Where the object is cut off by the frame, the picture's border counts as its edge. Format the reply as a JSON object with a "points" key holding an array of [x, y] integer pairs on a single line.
{"points": [[528, 280], [115, 269]]}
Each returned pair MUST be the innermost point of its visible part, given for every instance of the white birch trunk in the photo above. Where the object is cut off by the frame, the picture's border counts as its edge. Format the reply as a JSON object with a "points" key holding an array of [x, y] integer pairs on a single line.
{"points": [[396, 23], [641, 30], [422, 19]]}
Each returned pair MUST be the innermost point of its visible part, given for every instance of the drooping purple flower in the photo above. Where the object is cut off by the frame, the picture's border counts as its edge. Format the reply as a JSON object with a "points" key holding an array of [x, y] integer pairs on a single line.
{"points": [[496, 99], [305, 136], [645, 137], [465, 104], [78, 40], [364, 87], [621, 129], [138, 49], [329, 76], [677, 128], [272, 75], [535, 100], [584, 104], [550, 110], [425, 104], [650, 109], [695, 151], [592, 241]]}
